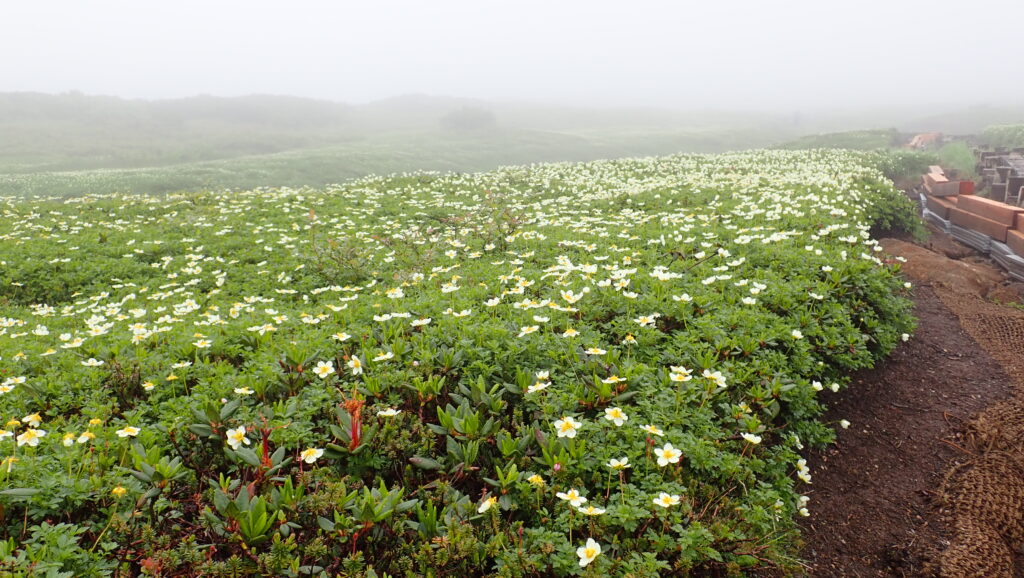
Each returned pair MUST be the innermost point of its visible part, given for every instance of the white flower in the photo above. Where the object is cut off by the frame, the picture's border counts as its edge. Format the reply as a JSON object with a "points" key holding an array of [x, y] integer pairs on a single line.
{"points": [[591, 510], [802, 471], [526, 330], [486, 504], [667, 455], [243, 391], [797, 334], [817, 386], [355, 365], [679, 373], [236, 437], [619, 464], [389, 412], [384, 356], [588, 552], [905, 336], [615, 415], [323, 369], [666, 500], [574, 498], [130, 431], [92, 362], [567, 427], [653, 430], [420, 322], [341, 336], [646, 320], [715, 376], [31, 437], [752, 438], [844, 424], [310, 455], [537, 386]]}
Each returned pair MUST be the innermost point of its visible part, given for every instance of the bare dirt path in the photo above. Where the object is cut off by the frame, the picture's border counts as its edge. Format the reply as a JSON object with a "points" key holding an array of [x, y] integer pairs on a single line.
{"points": [[886, 499]]}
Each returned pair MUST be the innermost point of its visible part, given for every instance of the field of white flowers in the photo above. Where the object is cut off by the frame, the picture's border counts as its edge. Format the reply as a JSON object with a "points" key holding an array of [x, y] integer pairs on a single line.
{"points": [[607, 368]]}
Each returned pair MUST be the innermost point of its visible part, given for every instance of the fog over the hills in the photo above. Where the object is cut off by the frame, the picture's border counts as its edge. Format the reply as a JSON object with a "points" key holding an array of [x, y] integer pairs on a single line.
{"points": [[785, 56]]}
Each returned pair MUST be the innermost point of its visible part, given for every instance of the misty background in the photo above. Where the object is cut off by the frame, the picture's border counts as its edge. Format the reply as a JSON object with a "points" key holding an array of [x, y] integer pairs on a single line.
{"points": [[118, 95]]}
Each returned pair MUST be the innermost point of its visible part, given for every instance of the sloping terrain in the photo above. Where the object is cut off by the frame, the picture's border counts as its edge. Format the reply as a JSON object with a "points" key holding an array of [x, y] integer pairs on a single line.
{"points": [[926, 481]]}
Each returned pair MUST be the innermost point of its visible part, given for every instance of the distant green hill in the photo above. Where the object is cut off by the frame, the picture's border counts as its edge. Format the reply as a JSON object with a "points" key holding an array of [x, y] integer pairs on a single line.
{"points": [[71, 132], [966, 121], [854, 140], [72, 143], [378, 154]]}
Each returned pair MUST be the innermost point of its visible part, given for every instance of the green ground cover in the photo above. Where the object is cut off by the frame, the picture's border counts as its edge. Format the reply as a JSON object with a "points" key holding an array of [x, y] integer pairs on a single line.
{"points": [[606, 368]]}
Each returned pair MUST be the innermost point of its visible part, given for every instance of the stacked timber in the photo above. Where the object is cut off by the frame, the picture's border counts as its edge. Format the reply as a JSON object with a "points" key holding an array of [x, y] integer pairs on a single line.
{"points": [[1015, 243], [988, 225], [940, 196]]}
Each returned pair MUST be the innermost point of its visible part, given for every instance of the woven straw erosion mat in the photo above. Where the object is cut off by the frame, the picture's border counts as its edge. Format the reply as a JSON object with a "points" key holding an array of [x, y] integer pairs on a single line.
{"points": [[985, 497]]}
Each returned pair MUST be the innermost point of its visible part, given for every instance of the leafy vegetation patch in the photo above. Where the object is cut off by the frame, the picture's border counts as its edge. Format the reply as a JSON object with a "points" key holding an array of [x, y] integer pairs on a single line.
{"points": [[570, 369], [1004, 135]]}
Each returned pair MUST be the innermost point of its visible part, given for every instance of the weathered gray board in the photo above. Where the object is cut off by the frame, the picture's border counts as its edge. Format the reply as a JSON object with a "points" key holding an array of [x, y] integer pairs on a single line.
{"points": [[931, 217], [1010, 261], [971, 238]]}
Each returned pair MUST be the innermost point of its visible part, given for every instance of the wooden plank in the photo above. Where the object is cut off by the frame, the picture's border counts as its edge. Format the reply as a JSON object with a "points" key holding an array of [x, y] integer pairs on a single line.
{"points": [[1015, 240], [939, 205], [993, 210], [993, 229]]}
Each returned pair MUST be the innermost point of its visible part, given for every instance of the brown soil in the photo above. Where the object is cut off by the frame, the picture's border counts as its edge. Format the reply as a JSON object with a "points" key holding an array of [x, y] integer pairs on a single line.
{"points": [[898, 493]]}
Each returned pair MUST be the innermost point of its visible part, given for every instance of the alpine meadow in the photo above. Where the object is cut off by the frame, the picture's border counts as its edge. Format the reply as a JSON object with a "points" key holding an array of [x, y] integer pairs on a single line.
{"points": [[608, 368]]}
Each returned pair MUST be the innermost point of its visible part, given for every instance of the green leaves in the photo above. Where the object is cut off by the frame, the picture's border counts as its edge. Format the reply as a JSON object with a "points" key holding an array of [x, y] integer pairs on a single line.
{"points": [[455, 320]]}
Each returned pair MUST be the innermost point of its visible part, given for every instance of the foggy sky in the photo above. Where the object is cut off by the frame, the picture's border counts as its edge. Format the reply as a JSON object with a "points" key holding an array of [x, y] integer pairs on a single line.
{"points": [[757, 54]]}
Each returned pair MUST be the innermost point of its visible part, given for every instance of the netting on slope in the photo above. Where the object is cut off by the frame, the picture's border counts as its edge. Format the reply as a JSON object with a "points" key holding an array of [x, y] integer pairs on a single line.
{"points": [[985, 497]]}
